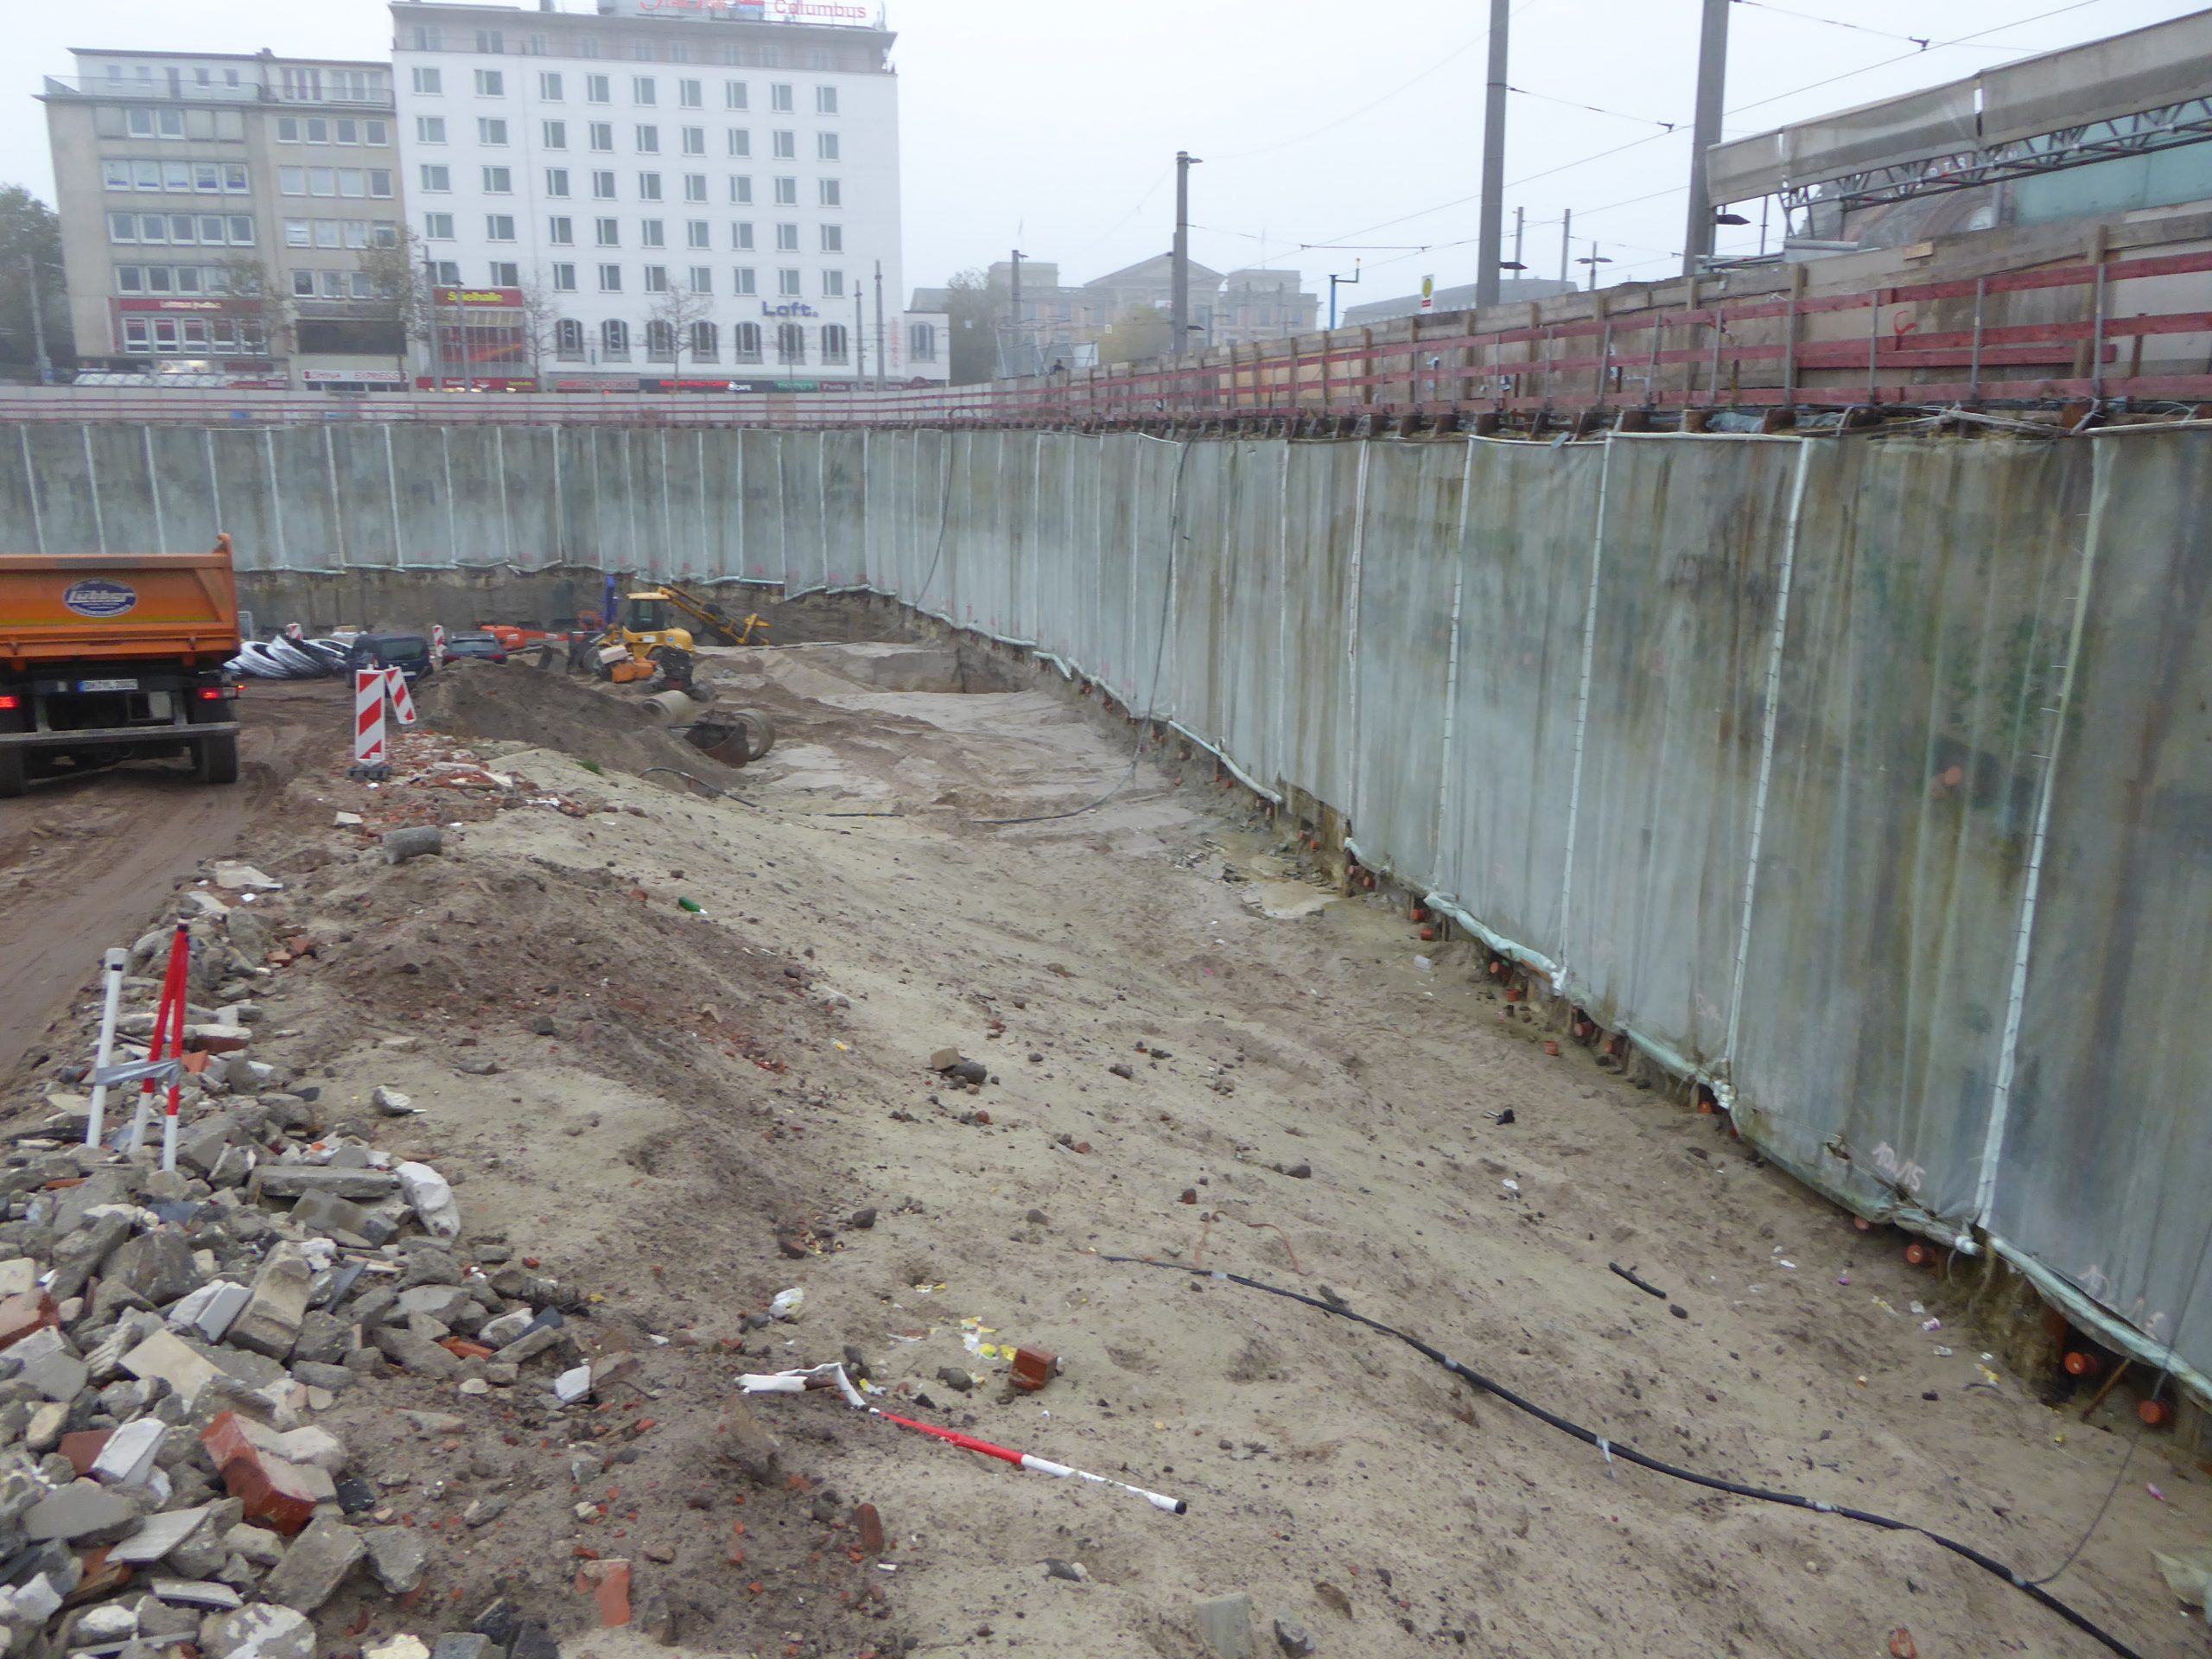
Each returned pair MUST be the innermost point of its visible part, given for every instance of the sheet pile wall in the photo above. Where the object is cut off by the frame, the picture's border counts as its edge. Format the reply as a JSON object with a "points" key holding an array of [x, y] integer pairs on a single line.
{"points": [[1868, 781]]}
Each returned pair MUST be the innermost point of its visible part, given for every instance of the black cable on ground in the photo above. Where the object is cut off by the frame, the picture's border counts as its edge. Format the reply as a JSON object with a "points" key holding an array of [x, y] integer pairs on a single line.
{"points": [[718, 793], [1159, 655], [1612, 1449]]}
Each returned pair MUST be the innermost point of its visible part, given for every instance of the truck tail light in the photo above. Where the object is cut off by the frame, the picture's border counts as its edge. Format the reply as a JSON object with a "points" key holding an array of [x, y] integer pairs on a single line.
{"points": [[210, 694], [10, 700]]}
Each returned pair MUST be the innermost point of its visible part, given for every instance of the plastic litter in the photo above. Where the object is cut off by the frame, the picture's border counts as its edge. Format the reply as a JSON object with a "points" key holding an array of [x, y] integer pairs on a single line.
{"points": [[787, 1304]]}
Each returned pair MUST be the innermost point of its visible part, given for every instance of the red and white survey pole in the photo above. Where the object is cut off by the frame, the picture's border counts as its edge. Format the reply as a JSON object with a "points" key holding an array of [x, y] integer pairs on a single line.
{"points": [[372, 689], [833, 1376]]}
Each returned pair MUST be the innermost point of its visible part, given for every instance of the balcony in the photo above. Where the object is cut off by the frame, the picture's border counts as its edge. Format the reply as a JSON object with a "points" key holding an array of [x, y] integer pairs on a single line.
{"points": [[178, 90]]}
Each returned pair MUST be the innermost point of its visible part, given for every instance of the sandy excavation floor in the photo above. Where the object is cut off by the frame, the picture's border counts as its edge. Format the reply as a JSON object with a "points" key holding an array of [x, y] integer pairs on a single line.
{"points": [[687, 1112]]}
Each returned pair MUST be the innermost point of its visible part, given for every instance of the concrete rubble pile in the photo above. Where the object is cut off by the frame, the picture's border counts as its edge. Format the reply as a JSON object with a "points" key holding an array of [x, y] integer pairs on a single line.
{"points": [[169, 1340]]}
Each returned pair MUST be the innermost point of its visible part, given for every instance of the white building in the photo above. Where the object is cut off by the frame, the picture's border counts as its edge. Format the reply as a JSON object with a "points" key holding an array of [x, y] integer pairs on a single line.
{"points": [[693, 193]]}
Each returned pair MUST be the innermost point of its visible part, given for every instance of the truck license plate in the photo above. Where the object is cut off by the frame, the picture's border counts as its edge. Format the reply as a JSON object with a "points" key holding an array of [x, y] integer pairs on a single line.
{"points": [[107, 685]]}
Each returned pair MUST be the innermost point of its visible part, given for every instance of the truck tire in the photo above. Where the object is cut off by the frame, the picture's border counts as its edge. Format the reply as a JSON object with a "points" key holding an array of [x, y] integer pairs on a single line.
{"points": [[216, 759], [11, 772]]}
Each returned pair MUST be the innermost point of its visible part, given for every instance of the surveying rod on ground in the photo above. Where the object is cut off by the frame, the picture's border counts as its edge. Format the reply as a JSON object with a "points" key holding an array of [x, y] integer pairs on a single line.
{"points": [[114, 962]]}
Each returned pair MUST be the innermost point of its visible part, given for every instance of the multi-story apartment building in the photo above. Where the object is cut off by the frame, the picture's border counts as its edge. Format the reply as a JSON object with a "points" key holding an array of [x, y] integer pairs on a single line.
{"points": [[222, 216], [664, 194]]}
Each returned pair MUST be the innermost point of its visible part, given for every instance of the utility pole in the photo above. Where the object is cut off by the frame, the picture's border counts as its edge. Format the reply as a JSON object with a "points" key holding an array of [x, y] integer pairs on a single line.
{"points": [[1012, 356], [1712, 85], [1520, 214], [880, 365], [430, 296], [1492, 224], [1565, 240], [1180, 260], [38, 322], [1337, 282], [860, 343]]}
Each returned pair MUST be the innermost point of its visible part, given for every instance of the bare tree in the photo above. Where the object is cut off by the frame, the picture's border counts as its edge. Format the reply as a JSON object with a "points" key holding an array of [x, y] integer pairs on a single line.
{"points": [[249, 280], [679, 307], [402, 296], [541, 323]]}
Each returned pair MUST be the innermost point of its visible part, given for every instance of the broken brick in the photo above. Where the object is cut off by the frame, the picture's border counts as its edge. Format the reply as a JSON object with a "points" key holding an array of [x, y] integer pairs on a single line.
{"points": [[610, 1581], [461, 1347], [871, 1526], [83, 1447], [21, 1315], [274, 1492]]}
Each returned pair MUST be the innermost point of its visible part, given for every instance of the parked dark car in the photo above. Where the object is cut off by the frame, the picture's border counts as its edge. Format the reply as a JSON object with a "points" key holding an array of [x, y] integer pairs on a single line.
{"points": [[408, 652], [474, 643]]}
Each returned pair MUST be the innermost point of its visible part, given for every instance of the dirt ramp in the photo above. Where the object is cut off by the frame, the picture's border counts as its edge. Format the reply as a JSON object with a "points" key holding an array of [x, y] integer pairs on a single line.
{"points": [[609, 726]]}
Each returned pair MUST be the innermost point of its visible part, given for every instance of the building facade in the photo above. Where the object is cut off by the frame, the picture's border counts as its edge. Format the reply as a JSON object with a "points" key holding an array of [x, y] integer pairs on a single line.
{"points": [[666, 194], [230, 219]]}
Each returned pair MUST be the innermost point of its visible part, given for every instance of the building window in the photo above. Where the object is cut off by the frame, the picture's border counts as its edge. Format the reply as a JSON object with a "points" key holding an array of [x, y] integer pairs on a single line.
{"points": [[436, 227], [608, 232], [430, 83], [498, 227], [786, 238], [921, 342], [351, 181], [743, 284], [490, 83], [318, 128], [357, 233], [129, 279], [325, 233], [703, 279], [787, 283], [596, 87], [505, 274], [745, 343], [655, 232], [380, 183], [448, 272], [695, 233], [602, 185], [833, 238], [825, 100], [740, 235], [832, 193], [569, 339], [734, 96], [786, 146], [741, 142], [561, 231], [695, 141], [430, 128], [292, 180], [825, 147], [706, 342], [498, 181], [691, 94], [786, 192], [549, 86], [790, 343], [491, 41], [382, 234], [537, 45], [642, 90], [602, 137], [833, 284], [556, 134], [345, 132], [437, 178], [779, 95], [491, 130], [648, 186], [375, 132], [660, 338], [557, 181], [741, 191], [323, 181], [695, 186], [648, 140], [297, 234], [564, 278], [610, 280], [834, 348], [656, 279]]}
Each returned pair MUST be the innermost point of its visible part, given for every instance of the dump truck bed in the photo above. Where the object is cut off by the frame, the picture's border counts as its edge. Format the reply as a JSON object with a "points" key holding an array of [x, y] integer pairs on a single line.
{"points": [[180, 608]]}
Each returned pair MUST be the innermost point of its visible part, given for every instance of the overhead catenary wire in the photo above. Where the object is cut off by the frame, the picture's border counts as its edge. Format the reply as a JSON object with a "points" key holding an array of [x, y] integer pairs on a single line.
{"points": [[1613, 1450]]}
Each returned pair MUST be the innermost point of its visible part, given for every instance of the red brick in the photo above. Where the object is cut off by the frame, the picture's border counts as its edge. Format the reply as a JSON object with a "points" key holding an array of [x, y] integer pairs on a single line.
{"points": [[871, 1526], [21, 1315], [461, 1347], [82, 1447], [273, 1491], [610, 1582], [100, 1577]]}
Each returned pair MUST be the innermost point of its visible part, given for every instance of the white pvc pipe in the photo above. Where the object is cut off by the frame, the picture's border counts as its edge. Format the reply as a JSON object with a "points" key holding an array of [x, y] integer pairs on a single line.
{"points": [[114, 962]]}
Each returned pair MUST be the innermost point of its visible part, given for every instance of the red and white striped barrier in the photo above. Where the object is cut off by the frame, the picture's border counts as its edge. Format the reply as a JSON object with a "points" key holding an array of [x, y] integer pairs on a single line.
{"points": [[437, 644], [372, 689]]}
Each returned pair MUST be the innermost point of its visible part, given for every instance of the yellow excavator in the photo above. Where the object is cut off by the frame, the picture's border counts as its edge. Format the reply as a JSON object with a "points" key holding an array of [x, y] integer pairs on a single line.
{"points": [[647, 638]]}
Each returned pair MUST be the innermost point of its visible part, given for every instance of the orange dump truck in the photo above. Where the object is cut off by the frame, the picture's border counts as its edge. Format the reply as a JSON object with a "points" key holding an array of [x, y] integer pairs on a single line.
{"points": [[116, 656]]}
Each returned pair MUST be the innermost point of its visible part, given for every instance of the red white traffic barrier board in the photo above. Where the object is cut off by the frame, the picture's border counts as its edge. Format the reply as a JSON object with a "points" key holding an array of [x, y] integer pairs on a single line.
{"points": [[372, 689]]}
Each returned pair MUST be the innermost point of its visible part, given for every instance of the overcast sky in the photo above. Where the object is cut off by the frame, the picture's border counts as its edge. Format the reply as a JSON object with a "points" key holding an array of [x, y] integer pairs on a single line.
{"points": [[1052, 126]]}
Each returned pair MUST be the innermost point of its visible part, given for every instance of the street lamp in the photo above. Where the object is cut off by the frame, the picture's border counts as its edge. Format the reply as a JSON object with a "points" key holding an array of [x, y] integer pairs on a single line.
{"points": [[1593, 261], [1335, 282]]}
